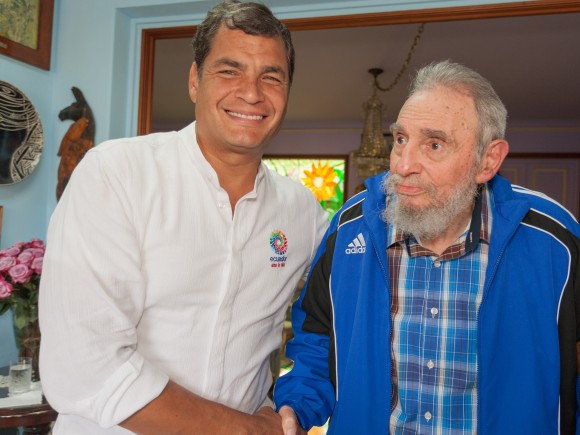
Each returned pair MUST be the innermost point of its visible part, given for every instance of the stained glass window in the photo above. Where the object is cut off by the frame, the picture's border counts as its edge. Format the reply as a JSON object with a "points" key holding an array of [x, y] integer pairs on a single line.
{"points": [[324, 176]]}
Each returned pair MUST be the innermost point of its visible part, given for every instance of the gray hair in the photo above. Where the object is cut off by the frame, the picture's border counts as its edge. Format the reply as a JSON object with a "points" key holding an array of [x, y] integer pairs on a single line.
{"points": [[490, 110], [251, 18]]}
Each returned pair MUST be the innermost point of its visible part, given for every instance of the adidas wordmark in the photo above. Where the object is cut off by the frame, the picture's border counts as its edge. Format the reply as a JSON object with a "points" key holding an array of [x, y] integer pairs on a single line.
{"points": [[357, 246]]}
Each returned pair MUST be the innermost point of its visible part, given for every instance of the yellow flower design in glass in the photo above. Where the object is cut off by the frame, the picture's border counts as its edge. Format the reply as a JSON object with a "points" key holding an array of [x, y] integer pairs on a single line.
{"points": [[321, 180]]}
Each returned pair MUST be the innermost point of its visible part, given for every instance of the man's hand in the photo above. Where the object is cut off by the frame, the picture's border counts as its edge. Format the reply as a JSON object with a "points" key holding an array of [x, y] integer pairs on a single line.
{"points": [[290, 423]]}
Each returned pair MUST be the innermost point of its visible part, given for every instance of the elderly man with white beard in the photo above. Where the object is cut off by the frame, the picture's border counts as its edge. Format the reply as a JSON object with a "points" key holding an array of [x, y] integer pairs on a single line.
{"points": [[459, 310]]}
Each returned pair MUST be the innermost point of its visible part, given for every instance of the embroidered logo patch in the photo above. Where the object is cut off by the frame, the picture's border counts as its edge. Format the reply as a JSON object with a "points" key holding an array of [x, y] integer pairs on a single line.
{"points": [[279, 244]]}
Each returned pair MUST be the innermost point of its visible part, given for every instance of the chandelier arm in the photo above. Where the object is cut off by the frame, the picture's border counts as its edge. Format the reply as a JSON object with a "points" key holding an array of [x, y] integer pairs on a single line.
{"points": [[405, 64]]}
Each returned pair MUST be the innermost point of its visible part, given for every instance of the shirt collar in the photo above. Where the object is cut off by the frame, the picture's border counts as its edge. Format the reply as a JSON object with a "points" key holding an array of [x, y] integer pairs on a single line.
{"points": [[210, 173]]}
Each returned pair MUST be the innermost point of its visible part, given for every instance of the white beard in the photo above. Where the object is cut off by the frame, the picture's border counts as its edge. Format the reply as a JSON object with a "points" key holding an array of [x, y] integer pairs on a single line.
{"points": [[432, 221]]}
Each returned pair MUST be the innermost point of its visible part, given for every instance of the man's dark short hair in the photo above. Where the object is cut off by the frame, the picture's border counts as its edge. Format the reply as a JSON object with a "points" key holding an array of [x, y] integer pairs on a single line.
{"points": [[252, 18]]}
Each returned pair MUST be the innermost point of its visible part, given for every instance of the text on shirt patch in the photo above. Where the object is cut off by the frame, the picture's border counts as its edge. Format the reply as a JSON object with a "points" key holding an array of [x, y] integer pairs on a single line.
{"points": [[279, 244]]}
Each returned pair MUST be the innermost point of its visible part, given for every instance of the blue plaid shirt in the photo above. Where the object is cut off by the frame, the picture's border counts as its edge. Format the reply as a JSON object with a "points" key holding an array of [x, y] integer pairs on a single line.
{"points": [[434, 306]]}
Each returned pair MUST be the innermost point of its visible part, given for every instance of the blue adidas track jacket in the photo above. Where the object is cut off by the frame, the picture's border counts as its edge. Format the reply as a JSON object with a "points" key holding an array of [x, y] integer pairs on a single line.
{"points": [[528, 325]]}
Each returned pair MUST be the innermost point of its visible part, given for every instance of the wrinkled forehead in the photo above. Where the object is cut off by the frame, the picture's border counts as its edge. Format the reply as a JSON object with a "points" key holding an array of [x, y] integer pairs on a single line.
{"points": [[439, 108]]}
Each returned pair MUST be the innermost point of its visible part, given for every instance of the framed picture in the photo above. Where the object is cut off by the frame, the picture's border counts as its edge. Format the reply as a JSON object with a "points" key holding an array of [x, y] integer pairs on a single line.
{"points": [[325, 176], [26, 30]]}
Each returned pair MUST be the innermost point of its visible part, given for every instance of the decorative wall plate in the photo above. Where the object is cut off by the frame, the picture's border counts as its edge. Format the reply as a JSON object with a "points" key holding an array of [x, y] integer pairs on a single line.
{"points": [[21, 136]]}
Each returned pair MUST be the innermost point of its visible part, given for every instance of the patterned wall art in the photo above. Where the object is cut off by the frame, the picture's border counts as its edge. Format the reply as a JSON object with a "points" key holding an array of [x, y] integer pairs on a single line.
{"points": [[21, 135]]}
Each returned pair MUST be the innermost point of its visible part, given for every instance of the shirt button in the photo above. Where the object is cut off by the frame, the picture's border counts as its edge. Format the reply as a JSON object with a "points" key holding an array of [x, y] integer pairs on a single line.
{"points": [[437, 263], [430, 364], [428, 416], [434, 312]]}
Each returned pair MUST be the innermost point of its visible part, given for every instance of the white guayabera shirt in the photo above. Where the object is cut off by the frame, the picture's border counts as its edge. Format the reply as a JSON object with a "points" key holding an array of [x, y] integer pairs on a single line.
{"points": [[148, 276]]}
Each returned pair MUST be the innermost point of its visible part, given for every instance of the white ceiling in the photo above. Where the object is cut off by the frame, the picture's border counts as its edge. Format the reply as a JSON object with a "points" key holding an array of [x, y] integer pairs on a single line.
{"points": [[533, 62]]}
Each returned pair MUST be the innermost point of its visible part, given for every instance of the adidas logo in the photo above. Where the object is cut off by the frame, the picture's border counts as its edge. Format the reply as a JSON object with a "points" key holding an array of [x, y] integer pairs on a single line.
{"points": [[357, 246]]}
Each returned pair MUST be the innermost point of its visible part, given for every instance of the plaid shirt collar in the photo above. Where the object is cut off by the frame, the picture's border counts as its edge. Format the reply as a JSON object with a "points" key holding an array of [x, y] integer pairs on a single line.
{"points": [[480, 225]]}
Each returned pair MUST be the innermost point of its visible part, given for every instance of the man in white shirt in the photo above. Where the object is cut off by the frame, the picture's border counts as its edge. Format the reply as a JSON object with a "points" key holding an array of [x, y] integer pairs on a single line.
{"points": [[171, 258]]}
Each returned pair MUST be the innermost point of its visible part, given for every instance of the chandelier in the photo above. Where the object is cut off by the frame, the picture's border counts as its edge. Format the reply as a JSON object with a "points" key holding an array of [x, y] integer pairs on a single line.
{"points": [[372, 157]]}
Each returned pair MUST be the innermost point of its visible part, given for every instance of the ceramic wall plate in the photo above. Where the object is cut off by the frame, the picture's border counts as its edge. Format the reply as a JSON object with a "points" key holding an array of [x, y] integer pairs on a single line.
{"points": [[21, 136]]}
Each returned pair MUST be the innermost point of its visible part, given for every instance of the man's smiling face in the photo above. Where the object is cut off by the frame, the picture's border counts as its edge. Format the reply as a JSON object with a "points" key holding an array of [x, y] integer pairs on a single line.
{"points": [[241, 94]]}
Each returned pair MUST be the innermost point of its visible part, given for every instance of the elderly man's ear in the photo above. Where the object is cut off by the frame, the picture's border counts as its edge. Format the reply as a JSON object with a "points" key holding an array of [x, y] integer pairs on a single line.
{"points": [[494, 156]]}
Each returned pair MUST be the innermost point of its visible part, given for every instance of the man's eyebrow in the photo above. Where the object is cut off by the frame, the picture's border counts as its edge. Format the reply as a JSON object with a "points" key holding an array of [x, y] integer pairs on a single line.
{"points": [[425, 132], [396, 127], [225, 61], [437, 134]]}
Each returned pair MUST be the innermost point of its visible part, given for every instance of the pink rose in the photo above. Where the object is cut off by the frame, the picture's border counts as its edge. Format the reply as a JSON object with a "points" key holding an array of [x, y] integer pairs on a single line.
{"points": [[36, 265], [6, 263], [5, 288], [11, 252], [25, 257], [37, 252], [36, 243], [20, 273]]}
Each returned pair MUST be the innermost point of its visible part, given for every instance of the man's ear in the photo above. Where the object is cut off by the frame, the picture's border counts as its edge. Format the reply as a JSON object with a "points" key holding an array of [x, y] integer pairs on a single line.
{"points": [[492, 159], [193, 82]]}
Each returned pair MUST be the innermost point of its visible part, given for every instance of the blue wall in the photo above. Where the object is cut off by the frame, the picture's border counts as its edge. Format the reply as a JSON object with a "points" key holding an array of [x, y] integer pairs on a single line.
{"points": [[95, 47], [26, 204]]}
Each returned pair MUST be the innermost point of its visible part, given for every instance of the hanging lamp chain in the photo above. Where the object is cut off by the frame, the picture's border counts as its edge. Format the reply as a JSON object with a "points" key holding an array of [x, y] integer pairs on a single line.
{"points": [[405, 64]]}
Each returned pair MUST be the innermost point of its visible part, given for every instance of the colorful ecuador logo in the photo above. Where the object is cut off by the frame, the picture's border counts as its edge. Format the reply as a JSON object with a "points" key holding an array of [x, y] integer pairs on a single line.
{"points": [[279, 245]]}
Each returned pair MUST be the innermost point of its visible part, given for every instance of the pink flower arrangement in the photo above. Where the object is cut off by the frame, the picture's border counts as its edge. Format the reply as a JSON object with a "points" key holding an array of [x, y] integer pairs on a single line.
{"points": [[20, 270]]}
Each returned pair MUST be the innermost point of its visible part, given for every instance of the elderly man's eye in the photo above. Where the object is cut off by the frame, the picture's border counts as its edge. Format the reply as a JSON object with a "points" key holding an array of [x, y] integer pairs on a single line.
{"points": [[400, 140]]}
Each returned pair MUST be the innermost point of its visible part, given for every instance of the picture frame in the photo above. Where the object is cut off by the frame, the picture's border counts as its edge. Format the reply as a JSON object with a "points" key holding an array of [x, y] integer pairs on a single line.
{"points": [[1, 207], [325, 175], [32, 45]]}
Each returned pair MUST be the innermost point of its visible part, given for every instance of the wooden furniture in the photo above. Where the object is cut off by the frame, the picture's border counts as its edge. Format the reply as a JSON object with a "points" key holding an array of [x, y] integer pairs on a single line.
{"points": [[34, 419]]}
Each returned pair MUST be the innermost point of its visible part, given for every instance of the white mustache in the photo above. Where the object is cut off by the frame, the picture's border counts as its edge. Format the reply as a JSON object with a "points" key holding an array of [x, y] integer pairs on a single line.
{"points": [[411, 181]]}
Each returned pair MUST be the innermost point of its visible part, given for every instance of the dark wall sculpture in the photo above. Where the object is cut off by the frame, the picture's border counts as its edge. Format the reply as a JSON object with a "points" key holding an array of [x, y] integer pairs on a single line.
{"points": [[78, 139]]}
